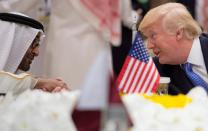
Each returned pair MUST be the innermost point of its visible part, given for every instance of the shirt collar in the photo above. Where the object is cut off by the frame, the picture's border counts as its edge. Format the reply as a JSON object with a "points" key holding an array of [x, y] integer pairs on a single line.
{"points": [[195, 56]]}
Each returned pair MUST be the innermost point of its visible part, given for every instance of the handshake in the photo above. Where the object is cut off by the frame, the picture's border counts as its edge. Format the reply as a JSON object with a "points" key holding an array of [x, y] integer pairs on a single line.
{"points": [[51, 84], [18, 83]]}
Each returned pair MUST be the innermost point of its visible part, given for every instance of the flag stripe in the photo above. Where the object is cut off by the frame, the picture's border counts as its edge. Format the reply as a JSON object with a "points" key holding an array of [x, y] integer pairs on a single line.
{"points": [[126, 83], [148, 89], [135, 77], [133, 73], [126, 72], [123, 72], [147, 77], [157, 77], [139, 80], [144, 77], [138, 74]]}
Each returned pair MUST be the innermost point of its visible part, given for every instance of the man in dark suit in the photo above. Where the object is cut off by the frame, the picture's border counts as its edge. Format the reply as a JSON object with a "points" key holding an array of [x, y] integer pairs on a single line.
{"points": [[177, 41]]}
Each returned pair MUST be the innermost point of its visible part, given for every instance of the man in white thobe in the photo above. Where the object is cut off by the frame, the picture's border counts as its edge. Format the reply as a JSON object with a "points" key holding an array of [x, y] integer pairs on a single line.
{"points": [[20, 37]]}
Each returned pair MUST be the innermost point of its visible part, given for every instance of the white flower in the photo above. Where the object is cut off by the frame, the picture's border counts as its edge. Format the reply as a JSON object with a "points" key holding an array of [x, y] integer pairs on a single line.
{"points": [[39, 111], [149, 116]]}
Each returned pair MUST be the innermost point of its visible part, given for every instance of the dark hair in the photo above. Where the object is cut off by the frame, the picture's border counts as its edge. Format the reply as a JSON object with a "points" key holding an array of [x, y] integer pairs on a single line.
{"points": [[20, 19]]}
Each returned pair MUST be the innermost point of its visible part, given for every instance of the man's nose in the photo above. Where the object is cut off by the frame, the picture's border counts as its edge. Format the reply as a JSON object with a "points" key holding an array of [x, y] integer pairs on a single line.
{"points": [[35, 51]]}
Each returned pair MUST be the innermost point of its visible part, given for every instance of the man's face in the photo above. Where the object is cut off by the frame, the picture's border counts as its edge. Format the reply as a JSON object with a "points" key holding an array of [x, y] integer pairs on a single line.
{"points": [[31, 53], [164, 45]]}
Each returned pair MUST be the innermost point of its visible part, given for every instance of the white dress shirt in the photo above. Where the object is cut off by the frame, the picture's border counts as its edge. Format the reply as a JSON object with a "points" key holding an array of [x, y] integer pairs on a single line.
{"points": [[197, 60]]}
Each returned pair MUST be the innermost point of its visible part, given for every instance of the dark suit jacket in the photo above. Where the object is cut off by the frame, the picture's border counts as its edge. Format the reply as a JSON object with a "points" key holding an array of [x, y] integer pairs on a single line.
{"points": [[179, 81]]}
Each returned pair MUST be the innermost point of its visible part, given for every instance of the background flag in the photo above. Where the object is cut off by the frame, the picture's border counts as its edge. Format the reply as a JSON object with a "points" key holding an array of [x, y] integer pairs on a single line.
{"points": [[138, 74]]}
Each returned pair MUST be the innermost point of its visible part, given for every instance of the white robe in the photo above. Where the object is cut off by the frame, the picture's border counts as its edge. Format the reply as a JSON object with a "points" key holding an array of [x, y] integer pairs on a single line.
{"points": [[78, 53], [16, 84], [73, 47], [15, 40]]}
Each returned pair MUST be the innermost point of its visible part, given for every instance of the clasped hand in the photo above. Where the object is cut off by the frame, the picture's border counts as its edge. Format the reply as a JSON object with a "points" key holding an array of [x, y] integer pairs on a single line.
{"points": [[51, 85]]}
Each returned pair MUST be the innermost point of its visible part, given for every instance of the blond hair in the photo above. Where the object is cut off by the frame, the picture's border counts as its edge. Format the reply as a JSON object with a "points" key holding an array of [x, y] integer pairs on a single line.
{"points": [[173, 16]]}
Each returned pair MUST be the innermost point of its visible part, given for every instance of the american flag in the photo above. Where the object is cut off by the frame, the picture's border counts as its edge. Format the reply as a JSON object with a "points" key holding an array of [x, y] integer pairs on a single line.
{"points": [[138, 74]]}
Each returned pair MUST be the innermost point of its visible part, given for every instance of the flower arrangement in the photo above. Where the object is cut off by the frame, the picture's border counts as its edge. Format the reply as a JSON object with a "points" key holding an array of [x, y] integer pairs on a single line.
{"points": [[38, 111], [168, 113]]}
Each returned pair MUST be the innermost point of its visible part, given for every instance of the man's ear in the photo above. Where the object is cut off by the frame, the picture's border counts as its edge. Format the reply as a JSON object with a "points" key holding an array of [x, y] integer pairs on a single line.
{"points": [[179, 33]]}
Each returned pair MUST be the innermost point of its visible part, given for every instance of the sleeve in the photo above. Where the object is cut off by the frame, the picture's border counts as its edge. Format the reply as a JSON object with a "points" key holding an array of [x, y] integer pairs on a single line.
{"points": [[16, 84]]}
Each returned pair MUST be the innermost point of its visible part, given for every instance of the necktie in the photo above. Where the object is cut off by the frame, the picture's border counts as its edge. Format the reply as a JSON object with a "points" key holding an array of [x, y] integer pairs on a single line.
{"points": [[195, 78]]}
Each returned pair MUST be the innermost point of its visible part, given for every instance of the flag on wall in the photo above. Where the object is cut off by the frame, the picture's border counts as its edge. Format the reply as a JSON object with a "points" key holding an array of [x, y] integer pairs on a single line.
{"points": [[138, 74]]}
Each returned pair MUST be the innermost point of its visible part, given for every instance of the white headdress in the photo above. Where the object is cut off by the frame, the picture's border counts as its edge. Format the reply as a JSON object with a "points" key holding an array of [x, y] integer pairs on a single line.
{"points": [[17, 33]]}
